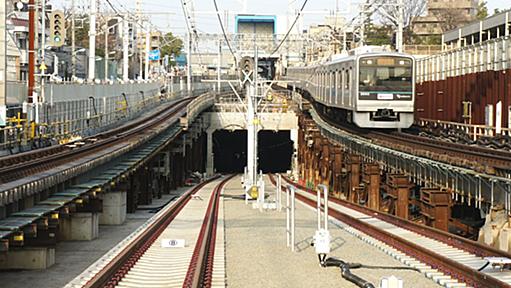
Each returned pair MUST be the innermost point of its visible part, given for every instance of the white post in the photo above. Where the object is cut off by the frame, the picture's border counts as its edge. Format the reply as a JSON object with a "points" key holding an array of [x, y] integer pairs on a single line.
{"points": [[125, 50], [279, 191], [92, 41], [288, 230], [498, 118], [245, 186], [292, 218], [325, 197], [318, 206]]}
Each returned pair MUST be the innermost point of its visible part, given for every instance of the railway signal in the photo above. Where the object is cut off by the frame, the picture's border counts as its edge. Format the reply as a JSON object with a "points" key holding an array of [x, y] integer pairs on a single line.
{"points": [[246, 66], [57, 28]]}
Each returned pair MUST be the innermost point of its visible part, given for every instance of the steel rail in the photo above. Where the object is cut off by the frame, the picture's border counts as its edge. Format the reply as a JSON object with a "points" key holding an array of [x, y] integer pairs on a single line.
{"points": [[200, 270], [117, 135], [495, 158], [450, 267], [499, 158], [120, 265]]}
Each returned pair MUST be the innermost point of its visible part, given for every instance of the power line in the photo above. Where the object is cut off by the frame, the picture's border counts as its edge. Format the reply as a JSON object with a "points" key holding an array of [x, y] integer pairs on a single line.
{"points": [[223, 31], [290, 28]]}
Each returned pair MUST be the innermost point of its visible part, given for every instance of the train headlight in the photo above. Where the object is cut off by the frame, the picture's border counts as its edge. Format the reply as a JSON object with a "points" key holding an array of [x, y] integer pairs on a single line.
{"points": [[401, 62], [370, 62]]}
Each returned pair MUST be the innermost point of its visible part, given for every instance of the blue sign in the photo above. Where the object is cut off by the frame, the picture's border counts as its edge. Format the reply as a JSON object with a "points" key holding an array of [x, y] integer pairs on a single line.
{"points": [[154, 55]]}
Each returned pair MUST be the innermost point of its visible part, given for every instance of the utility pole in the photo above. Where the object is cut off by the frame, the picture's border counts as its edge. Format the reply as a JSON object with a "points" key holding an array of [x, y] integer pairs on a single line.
{"points": [[3, 63], [252, 124], [189, 62], [363, 26], [106, 47], [31, 51], [92, 41], [400, 20], [125, 49], [138, 42], [73, 39], [219, 66], [43, 54], [147, 44]]}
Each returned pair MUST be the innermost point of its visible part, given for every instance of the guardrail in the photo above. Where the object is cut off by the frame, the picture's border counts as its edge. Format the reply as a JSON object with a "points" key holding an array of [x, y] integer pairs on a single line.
{"points": [[473, 130], [494, 54], [65, 121], [200, 104]]}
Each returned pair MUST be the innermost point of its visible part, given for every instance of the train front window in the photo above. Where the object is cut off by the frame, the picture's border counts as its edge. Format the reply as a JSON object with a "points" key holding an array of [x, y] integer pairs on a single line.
{"points": [[385, 74]]}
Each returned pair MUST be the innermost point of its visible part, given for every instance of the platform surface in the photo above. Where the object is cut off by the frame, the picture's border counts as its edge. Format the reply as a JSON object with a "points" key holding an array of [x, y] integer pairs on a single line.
{"points": [[257, 256]]}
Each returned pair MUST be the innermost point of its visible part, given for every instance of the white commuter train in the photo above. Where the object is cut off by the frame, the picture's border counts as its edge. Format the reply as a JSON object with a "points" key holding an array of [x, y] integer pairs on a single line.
{"points": [[370, 89]]}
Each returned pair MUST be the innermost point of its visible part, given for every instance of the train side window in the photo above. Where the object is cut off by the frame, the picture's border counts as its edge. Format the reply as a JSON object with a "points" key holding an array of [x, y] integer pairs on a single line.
{"points": [[332, 85], [338, 87], [347, 80]]}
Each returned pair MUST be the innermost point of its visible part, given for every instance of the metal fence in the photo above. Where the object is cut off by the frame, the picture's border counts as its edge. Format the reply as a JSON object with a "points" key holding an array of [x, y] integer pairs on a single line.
{"points": [[494, 54], [62, 121]]}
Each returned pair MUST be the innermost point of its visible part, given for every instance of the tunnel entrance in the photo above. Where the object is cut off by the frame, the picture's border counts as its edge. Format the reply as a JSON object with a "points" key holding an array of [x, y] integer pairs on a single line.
{"points": [[230, 151], [275, 150]]}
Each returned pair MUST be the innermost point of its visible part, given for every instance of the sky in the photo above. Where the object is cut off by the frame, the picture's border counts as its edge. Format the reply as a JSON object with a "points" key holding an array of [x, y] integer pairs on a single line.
{"points": [[167, 15]]}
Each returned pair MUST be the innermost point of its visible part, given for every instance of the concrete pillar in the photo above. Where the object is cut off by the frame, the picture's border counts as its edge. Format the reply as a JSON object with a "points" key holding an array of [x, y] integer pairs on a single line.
{"points": [[114, 208], [80, 226], [33, 258], [210, 165]]}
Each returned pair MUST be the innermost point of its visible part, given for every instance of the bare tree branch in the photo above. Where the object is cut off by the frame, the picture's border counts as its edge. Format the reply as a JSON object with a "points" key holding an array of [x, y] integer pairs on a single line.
{"points": [[412, 9]]}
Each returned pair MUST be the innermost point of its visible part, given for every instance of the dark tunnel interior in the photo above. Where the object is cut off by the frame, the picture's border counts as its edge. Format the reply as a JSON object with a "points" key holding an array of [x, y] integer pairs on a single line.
{"points": [[275, 150]]}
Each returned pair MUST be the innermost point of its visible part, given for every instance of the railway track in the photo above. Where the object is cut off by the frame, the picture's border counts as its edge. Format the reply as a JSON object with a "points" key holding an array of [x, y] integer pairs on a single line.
{"points": [[480, 159], [450, 260], [491, 158], [143, 262], [21, 165]]}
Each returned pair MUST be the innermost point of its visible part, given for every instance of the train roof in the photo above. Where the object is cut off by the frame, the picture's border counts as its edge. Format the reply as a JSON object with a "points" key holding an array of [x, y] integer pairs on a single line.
{"points": [[339, 58]]}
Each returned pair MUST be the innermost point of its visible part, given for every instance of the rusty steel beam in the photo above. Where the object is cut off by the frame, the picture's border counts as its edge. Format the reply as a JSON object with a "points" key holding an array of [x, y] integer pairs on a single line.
{"points": [[353, 162], [435, 206], [398, 187], [372, 176]]}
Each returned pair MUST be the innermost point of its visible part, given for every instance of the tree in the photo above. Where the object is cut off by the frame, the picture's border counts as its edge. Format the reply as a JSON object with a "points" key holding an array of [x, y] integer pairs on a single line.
{"points": [[482, 10], [378, 34], [411, 10], [171, 45]]}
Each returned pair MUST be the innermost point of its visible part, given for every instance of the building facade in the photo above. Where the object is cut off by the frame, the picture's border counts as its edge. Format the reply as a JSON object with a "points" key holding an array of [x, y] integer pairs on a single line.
{"points": [[442, 16]]}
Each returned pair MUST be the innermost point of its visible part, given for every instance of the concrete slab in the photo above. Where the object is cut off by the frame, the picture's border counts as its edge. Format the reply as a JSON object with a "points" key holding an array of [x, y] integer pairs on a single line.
{"points": [[28, 258], [80, 226], [257, 256], [72, 257], [114, 208]]}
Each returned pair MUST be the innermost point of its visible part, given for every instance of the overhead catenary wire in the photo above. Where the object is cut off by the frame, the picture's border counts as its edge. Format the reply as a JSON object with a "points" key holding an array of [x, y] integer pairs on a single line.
{"points": [[290, 28], [224, 33]]}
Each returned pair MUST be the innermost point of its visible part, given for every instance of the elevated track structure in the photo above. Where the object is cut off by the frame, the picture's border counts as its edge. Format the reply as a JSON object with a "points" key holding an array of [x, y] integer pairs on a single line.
{"points": [[465, 85]]}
